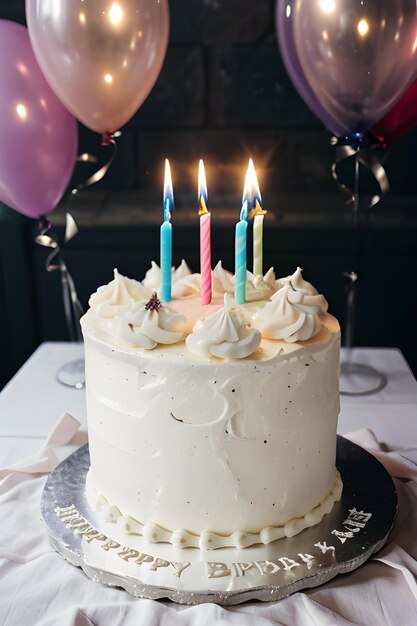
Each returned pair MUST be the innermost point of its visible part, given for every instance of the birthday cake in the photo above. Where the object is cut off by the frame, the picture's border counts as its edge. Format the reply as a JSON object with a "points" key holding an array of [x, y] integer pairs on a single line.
{"points": [[211, 426]]}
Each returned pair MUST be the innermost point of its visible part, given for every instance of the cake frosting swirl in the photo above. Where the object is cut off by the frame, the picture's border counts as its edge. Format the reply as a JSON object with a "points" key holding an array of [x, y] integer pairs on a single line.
{"points": [[227, 334], [184, 282], [112, 299], [294, 311], [146, 324], [257, 287]]}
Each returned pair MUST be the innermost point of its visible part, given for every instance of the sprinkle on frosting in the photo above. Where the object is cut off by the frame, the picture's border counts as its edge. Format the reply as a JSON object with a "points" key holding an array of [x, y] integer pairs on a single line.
{"points": [[293, 313], [227, 334], [154, 303]]}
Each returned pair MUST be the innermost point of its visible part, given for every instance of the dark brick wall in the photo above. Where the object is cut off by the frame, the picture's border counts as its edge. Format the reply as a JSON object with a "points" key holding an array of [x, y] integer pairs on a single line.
{"points": [[224, 94]]}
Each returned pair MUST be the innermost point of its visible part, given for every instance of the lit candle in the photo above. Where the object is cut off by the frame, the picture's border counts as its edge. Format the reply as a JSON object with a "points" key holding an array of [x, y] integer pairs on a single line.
{"points": [[205, 236], [166, 236], [240, 255], [256, 213], [258, 225]]}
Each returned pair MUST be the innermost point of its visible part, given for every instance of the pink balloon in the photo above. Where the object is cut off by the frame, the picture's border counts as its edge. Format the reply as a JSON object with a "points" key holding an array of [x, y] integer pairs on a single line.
{"points": [[38, 137], [101, 57]]}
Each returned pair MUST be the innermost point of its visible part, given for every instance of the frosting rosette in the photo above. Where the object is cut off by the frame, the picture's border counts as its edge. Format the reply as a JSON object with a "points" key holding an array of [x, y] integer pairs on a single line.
{"points": [[257, 287], [294, 311], [298, 283], [227, 334], [184, 282], [149, 323], [112, 299]]}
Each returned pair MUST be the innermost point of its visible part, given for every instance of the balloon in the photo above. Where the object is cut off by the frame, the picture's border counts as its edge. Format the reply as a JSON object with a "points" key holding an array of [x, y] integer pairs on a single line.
{"points": [[401, 118], [357, 56], [100, 57], [285, 33], [38, 136]]}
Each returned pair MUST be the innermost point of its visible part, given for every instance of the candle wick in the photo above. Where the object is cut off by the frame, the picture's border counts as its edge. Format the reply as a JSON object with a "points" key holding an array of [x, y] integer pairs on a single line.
{"points": [[256, 210], [203, 206]]}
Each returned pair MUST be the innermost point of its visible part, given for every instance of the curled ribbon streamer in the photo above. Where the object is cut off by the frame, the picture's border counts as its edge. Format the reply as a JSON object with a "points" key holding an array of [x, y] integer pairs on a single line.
{"points": [[362, 147], [86, 157], [107, 139], [374, 164], [72, 305], [342, 153]]}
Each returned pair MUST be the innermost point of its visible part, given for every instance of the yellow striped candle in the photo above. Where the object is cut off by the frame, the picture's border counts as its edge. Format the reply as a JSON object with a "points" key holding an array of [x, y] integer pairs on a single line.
{"points": [[252, 194]]}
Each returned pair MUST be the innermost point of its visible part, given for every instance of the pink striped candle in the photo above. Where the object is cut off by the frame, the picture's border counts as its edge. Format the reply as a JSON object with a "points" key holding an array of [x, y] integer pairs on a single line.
{"points": [[205, 237]]}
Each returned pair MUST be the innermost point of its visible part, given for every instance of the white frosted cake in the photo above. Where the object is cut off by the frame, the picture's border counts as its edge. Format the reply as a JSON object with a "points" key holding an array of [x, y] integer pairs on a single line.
{"points": [[212, 426]]}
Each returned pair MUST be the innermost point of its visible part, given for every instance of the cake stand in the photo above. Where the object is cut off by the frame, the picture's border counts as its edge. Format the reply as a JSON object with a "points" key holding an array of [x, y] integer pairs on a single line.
{"points": [[355, 529]]}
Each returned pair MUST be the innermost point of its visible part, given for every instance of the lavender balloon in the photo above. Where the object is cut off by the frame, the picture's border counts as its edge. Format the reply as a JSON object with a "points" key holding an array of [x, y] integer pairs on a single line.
{"points": [[285, 33], [357, 57], [38, 136]]}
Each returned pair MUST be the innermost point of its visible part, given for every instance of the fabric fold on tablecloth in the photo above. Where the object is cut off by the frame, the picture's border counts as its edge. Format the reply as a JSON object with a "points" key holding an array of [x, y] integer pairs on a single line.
{"points": [[395, 464], [39, 588], [44, 460]]}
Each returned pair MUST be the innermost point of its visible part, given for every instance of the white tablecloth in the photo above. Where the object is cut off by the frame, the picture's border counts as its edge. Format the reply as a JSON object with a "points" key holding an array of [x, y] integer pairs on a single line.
{"points": [[37, 587]]}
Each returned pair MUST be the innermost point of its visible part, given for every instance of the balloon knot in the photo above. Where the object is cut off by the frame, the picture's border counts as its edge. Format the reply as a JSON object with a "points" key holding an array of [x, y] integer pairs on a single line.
{"points": [[44, 224], [359, 140], [108, 138], [356, 140]]}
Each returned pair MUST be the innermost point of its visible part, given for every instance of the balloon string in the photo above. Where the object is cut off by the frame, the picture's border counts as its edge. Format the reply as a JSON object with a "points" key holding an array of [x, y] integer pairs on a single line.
{"points": [[351, 277], [342, 153], [366, 157], [55, 261], [107, 139]]}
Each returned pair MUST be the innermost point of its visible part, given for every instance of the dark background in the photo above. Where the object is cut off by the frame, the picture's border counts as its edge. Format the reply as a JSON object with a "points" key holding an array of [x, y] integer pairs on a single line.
{"points": [[223, 95]]}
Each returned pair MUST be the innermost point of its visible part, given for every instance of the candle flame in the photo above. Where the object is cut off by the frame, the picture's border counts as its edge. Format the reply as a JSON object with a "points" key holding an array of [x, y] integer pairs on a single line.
{"points": [[251, 193], [244, 212], [168, 193], [202, 189]]}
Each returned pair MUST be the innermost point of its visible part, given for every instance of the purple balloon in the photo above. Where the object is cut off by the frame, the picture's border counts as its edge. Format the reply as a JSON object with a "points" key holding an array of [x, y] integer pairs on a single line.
{"points": [[285, 33], [38, 142], [357, 56]]}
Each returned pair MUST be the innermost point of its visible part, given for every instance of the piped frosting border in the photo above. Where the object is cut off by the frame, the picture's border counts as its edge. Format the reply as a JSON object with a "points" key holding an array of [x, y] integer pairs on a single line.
{"points": [[209, 540]]}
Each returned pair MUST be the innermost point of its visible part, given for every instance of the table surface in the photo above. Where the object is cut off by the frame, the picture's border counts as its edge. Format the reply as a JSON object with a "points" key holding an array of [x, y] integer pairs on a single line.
{"points": [[33, 400]]}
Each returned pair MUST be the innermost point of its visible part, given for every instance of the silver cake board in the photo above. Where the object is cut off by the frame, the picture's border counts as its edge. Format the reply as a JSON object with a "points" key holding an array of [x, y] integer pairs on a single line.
{"points": [[357, 527]]}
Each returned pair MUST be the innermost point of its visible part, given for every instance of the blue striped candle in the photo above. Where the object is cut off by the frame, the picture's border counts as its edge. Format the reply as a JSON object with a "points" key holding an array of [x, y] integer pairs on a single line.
{"points": [[240, 255], [166, 237]]}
